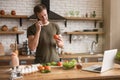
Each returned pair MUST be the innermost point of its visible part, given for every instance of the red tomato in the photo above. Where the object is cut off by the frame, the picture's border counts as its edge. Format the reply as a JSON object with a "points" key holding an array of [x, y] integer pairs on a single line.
{"points": [[47, 68], [41, 68], [56, 36], [59, 63]]}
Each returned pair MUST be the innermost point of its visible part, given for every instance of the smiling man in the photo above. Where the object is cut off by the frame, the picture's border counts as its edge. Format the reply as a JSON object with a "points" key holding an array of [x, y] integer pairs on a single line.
{"points": [[41, 37]]}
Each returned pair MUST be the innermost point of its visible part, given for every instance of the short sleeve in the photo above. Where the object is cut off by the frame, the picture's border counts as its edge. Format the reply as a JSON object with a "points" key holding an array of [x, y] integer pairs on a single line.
{"points": [[31, 30], [58, 29]]}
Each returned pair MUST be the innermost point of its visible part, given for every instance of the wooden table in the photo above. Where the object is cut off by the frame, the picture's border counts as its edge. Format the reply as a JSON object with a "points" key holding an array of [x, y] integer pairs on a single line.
{"points": [[60, 74]]}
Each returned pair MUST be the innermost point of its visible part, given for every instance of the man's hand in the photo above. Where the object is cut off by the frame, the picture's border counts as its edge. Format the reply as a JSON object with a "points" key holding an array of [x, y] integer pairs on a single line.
{"points": [[38, 25], [59, 40]]}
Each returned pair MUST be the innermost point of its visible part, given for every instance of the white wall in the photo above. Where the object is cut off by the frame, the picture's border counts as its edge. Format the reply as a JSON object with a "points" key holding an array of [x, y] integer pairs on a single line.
{"points": [[25, 7]]}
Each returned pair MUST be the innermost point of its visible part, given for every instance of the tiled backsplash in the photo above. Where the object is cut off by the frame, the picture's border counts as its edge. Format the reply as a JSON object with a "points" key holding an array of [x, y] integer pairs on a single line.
{"points": [[80, 43]]}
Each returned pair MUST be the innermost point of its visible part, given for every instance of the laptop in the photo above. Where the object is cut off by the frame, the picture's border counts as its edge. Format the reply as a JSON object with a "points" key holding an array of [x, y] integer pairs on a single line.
{"points": [[107, 63]]}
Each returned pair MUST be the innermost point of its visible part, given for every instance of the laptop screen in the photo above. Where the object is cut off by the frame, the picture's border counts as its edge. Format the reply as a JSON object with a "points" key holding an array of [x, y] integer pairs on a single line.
{"points": [[108, 59]]}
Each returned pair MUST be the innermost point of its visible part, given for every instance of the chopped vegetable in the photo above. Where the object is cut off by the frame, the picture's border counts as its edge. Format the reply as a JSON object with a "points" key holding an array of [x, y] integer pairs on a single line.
{"points": [[69, 64]]}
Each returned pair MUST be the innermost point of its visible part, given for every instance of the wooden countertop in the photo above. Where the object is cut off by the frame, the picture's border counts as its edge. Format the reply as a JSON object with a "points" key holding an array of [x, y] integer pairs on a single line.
{"points": [[60, 74]]}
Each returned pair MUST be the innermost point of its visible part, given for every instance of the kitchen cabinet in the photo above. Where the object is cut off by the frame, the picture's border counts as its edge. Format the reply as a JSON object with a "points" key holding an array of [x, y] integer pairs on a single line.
{"points": [[14, 32], [95, 20]]}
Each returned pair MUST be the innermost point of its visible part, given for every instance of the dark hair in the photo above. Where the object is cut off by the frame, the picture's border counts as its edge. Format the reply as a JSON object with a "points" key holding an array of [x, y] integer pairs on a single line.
{"points": [[39, 8]]}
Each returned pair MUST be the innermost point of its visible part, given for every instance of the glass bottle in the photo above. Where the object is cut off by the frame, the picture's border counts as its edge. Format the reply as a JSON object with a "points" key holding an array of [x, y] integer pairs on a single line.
{"points": [[79, 64], [14, 57]]}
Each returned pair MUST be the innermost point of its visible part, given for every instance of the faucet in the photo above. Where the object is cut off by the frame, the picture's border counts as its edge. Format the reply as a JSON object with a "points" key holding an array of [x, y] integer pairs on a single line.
{"points": [[91, 50]]}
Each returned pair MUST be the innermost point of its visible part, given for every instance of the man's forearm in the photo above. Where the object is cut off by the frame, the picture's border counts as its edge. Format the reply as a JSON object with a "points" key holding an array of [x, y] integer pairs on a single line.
{"points": [[34, 42]]}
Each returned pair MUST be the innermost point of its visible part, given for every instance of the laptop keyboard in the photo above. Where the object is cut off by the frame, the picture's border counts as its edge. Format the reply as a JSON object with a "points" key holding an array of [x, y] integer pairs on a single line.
{"points": [[98, 69]]}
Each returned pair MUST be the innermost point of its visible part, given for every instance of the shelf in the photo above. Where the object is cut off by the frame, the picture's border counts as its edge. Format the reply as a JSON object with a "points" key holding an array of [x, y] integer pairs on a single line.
{"points": [[86, 19], [15, 17], [84, 33], [14, 32], [11, 32]]}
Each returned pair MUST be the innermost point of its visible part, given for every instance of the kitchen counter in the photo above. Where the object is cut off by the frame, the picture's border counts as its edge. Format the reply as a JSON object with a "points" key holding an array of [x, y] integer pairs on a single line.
{"points": [[20, 58], [84, 55], [61, 56], [5, 60], [58, 73]]}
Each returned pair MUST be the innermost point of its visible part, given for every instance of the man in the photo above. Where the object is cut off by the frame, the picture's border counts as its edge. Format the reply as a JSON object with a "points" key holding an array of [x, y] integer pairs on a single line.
{"points": [[40, 37]]}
